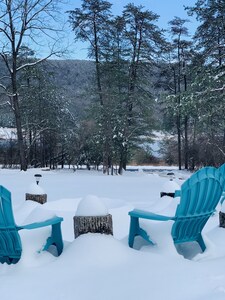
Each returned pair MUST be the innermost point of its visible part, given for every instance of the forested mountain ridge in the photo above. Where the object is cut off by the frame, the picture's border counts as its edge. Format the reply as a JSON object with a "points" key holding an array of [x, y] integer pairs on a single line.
{"points": [[74, 79], [71, 74]]}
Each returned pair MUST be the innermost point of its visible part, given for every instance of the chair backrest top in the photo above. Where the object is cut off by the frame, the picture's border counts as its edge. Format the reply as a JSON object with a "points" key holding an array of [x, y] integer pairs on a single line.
{"points": [[200, 193]]}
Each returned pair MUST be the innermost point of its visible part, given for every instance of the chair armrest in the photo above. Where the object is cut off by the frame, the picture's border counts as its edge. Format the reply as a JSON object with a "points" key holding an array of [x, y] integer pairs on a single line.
{"points": [[48, 222], [177, 193], [136, 213], [222, 198]]}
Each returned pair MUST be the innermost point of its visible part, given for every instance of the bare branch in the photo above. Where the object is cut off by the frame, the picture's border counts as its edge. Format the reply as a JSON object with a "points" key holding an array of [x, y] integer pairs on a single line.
{"points": [[217, 146], [3, 30], [36, 62], [3, 86], [5, 59], [38, 12]]}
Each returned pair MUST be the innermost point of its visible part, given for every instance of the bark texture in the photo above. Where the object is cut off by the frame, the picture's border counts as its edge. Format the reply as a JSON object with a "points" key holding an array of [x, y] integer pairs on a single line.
{"points": [[93, 224], [222, 219], [37, 198]]}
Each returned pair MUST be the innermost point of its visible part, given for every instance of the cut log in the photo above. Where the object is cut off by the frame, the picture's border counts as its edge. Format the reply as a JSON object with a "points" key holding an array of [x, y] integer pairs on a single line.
{"points": [[37, 198], [222, 219], [93, 224]]}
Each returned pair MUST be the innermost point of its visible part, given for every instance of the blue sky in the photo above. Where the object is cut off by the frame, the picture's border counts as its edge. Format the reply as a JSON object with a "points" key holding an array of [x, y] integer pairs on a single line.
{"points": [[166, 9]]}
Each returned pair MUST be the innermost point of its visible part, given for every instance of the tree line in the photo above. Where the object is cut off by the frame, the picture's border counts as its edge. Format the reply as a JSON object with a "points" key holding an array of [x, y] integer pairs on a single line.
{"points": [[144, 78]]}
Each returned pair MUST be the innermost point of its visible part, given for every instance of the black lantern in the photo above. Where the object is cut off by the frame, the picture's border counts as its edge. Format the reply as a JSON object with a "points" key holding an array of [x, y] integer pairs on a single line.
{"points": [[37, 177]]}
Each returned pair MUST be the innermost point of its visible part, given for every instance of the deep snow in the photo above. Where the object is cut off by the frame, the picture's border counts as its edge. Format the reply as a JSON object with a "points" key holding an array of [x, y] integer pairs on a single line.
{"points": [[102, 267]]}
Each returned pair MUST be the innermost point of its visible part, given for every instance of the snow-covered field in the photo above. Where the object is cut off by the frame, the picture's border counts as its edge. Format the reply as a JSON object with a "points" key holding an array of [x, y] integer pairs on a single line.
{"points": [[102, 267]]}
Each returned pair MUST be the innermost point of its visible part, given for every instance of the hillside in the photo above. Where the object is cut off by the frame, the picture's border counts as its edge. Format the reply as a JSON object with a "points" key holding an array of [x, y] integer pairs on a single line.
{"points": [[74, 79]]}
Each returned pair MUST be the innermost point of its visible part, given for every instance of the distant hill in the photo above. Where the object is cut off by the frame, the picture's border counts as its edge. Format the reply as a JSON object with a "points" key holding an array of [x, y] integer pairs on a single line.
{"points": [[75, 80]]}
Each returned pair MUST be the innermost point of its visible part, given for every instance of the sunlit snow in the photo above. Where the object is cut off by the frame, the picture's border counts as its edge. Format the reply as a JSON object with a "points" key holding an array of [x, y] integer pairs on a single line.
{"points": [[101, 267]]}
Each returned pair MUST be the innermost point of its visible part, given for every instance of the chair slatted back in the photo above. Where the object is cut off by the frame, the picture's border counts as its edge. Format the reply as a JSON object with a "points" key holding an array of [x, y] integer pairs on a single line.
{"points": [[6, 213], [222, 171], [10, 243], [200, 195]]}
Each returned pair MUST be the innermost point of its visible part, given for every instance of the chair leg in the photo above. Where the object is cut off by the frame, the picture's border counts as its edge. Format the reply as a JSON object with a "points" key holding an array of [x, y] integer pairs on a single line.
{"points": [[55, 238], [134, 229], [145, 236], [201, 243]]}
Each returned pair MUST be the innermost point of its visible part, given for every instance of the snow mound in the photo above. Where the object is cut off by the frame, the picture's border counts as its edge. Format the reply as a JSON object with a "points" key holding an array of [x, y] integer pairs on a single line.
{"points": [[91, 206], [170, 187], [39, 214], [35, 189], [24, 210]]}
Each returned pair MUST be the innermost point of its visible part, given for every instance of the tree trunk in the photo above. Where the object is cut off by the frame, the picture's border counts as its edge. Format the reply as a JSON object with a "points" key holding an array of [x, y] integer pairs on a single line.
{"points": [[106, 155], [193, 148], [179, 141], [23, 163], [186, 151], [123, 160]]}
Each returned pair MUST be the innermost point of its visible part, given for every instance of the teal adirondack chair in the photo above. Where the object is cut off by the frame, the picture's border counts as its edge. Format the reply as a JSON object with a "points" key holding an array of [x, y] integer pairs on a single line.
{"points": [[199, 196], [10, 242], [222, 171]]}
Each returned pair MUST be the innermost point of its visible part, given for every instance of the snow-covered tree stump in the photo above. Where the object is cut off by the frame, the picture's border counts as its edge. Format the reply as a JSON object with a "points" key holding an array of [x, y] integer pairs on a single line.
{"points": [[93, 224], [222, 219], [38, 198], [36, 193], [92, 216]]}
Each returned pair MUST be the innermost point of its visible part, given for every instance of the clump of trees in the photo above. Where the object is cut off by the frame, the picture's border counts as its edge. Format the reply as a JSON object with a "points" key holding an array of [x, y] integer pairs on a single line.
{"points": [[22, 22], [196, 104], [144, 78], [125, 49]]}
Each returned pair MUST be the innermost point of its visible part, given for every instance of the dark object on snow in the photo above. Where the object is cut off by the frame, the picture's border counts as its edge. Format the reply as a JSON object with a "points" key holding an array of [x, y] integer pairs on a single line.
{"points": [[222, 219], [93, 224], [167, 194], [170, 173]]}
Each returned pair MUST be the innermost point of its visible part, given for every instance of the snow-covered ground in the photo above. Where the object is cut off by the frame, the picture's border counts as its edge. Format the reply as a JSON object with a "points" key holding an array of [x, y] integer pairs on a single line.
{"points": [[7, 133], [102, 267]]}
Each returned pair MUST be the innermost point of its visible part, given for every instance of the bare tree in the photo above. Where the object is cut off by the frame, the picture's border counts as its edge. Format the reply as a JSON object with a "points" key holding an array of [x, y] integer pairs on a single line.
{"points": [[24, 22]]}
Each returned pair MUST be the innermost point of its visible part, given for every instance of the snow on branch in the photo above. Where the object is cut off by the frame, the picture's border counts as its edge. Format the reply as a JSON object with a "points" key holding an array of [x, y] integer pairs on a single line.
{"points": [[221, 89], [2, 86], [36, 62], [217, 146]]}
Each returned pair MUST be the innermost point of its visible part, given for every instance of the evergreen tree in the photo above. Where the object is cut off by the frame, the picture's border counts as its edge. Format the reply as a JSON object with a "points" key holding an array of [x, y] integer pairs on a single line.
{"points": [[91, 24], [210, 34], [179, 54], [46, 118], [208, 86]]}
